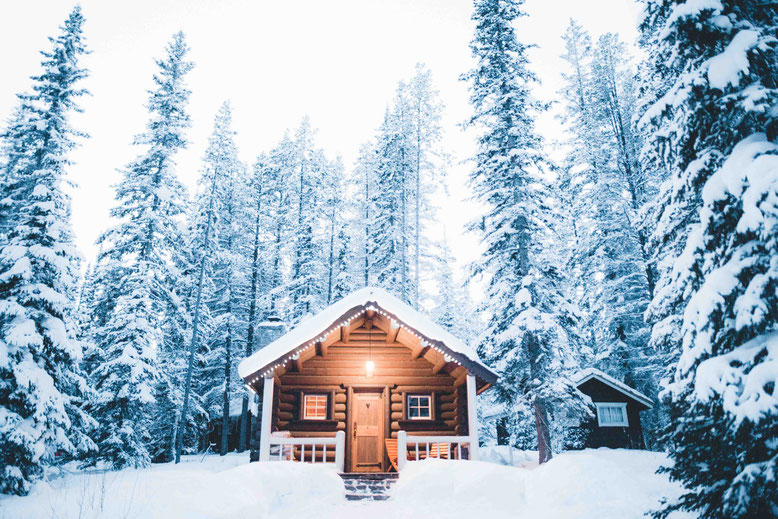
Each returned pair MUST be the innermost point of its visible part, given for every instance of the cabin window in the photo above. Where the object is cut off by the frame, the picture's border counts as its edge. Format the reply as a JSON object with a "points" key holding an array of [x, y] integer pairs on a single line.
{"points": [[315, 407], [419, 407], [612, 414]]}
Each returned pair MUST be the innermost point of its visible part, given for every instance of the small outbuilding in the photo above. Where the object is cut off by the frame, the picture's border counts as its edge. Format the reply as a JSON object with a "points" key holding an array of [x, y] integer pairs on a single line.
{"points": [[365, 385], [617, 411]]}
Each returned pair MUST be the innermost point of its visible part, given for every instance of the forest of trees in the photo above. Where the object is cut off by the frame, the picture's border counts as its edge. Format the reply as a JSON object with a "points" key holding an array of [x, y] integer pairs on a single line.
{"points": [[649, 251]]}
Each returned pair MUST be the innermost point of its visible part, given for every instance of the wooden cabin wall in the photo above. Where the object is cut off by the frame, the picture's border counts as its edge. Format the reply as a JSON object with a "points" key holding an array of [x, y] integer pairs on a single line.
{"points": [[337, 369], [630, 437]]}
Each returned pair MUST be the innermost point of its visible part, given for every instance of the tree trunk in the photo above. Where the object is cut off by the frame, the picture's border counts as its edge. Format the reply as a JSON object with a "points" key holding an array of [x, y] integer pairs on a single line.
{"points": [[193, 343], [245, 424], [367, 229], [418, 206], [226, 403], [544, 435]]}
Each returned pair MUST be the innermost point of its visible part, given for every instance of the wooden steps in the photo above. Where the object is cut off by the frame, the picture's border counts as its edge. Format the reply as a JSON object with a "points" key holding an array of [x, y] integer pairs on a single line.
{"points": [[374, 486]]}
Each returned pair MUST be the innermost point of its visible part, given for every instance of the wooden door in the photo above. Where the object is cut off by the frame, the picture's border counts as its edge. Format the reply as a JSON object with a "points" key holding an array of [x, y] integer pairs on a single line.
{"points": [[367, 425]]}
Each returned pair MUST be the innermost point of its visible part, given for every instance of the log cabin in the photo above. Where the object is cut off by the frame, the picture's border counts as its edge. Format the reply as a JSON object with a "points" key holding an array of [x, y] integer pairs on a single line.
{"points": [[365, 385]]}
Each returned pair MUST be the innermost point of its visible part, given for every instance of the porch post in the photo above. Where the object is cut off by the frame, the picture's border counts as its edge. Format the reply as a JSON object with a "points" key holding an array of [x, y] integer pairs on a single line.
{"points": [[402, 449], [472, 416], [340, 450], [267, 418]]}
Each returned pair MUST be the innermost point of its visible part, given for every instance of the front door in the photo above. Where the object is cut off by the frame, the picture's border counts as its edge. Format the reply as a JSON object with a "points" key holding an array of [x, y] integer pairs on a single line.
{"points": [[367, 446]]}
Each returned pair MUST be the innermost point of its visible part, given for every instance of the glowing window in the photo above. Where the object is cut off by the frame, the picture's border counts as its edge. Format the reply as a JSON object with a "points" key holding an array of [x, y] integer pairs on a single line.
{"points": [[315, 407]]}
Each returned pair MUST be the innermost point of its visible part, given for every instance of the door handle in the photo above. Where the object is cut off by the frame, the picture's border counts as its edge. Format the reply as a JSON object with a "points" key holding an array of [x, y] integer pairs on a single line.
{"points": [[355, 430]]}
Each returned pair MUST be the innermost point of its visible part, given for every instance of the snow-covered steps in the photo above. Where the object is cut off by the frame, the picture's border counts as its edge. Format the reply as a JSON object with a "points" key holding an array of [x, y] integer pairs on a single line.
{"points": [[373, 487]]}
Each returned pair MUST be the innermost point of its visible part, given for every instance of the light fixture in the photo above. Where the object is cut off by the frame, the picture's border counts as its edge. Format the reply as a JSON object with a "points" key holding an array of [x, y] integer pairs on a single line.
{"points": [[369, 368]]}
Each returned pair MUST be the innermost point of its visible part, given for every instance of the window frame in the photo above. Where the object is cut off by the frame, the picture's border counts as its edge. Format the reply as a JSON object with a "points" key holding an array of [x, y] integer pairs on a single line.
{"points": [[305, 407], [621, 405], [430, 406]]}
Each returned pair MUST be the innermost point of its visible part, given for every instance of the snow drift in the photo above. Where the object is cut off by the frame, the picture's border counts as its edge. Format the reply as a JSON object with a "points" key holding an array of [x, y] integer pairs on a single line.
{"points": [[188, 491], [590, 484]]}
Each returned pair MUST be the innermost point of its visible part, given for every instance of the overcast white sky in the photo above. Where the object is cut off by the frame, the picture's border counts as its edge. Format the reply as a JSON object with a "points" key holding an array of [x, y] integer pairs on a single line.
{"points": [[337, 61]]}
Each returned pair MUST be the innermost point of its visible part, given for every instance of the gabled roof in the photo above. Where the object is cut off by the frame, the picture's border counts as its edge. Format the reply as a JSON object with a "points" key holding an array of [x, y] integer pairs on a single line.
{"points": [[593, 373], [316, 328]]}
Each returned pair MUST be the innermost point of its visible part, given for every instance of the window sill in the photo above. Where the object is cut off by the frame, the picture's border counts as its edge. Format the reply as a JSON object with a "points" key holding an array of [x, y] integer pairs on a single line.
{"points": [[421, 425], [313, 425]]}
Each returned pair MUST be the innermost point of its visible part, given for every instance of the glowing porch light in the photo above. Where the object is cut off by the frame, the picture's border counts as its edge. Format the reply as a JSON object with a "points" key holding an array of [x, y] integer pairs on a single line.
{"points": [[369, 368]]}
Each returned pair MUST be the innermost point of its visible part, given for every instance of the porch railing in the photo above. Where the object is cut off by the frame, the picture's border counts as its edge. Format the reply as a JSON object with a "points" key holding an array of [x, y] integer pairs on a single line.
{"points": [[420, 447], [328, 451]]}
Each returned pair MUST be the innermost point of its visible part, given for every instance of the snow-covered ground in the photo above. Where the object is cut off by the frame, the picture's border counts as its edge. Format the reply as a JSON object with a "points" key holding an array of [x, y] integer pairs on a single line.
{"points": [[217, 487], [601, 484]]}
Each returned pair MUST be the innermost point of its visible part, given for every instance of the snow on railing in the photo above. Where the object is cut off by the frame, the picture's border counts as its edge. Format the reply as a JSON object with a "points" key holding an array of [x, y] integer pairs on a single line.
{"points": [[310, 450], [420, 447]]}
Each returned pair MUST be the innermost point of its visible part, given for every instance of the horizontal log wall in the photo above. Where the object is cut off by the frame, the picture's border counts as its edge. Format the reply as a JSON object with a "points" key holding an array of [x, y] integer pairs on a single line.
{"points": [[402, 369], [445, 415], [287, 415]]}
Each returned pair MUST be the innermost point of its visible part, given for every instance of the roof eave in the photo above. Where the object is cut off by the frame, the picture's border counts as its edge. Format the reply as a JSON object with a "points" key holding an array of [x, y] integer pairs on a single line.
{"points": [[483, 373], [636, 396]]}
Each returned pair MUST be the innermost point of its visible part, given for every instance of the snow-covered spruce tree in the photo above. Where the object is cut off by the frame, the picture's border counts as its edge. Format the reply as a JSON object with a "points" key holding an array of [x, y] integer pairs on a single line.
{"points": [[528, 334], [604, 191], [366, 199], [228, 273], [14, 154], [424, 111], [391, 224], [452, 307], [307, 280], [140, 258], [279, 214], [338, 260], [715, 127], [41, 386], [259, 190]]}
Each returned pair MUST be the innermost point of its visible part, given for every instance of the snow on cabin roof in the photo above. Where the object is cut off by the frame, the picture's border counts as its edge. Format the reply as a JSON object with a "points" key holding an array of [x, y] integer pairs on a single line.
{"points": [[311, 330], [590, 373]]}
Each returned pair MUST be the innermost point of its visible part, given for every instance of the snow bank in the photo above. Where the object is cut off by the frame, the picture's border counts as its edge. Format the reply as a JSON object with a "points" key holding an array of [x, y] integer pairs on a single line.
{"points": [[214, 489], [443, 488], [589, 484], [505, 455]]}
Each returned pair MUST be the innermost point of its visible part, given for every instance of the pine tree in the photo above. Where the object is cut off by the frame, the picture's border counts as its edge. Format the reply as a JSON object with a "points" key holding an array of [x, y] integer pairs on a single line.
{"points": [[339, 256], [366, 199], [605, 191], [310, 169], [528, 337], [141, 253], [391, 225], [713, 126], [228, 266], [257, 186], [424, 111], [452, 307], [41, 386]]}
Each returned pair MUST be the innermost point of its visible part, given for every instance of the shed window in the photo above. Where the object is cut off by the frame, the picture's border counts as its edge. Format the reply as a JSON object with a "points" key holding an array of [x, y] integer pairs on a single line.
{"points": [[612, 414], [315, 407], [419, 407]]}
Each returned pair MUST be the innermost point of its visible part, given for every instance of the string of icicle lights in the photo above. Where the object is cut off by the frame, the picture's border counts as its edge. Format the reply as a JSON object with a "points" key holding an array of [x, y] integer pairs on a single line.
{"points": [[312, 343]]}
